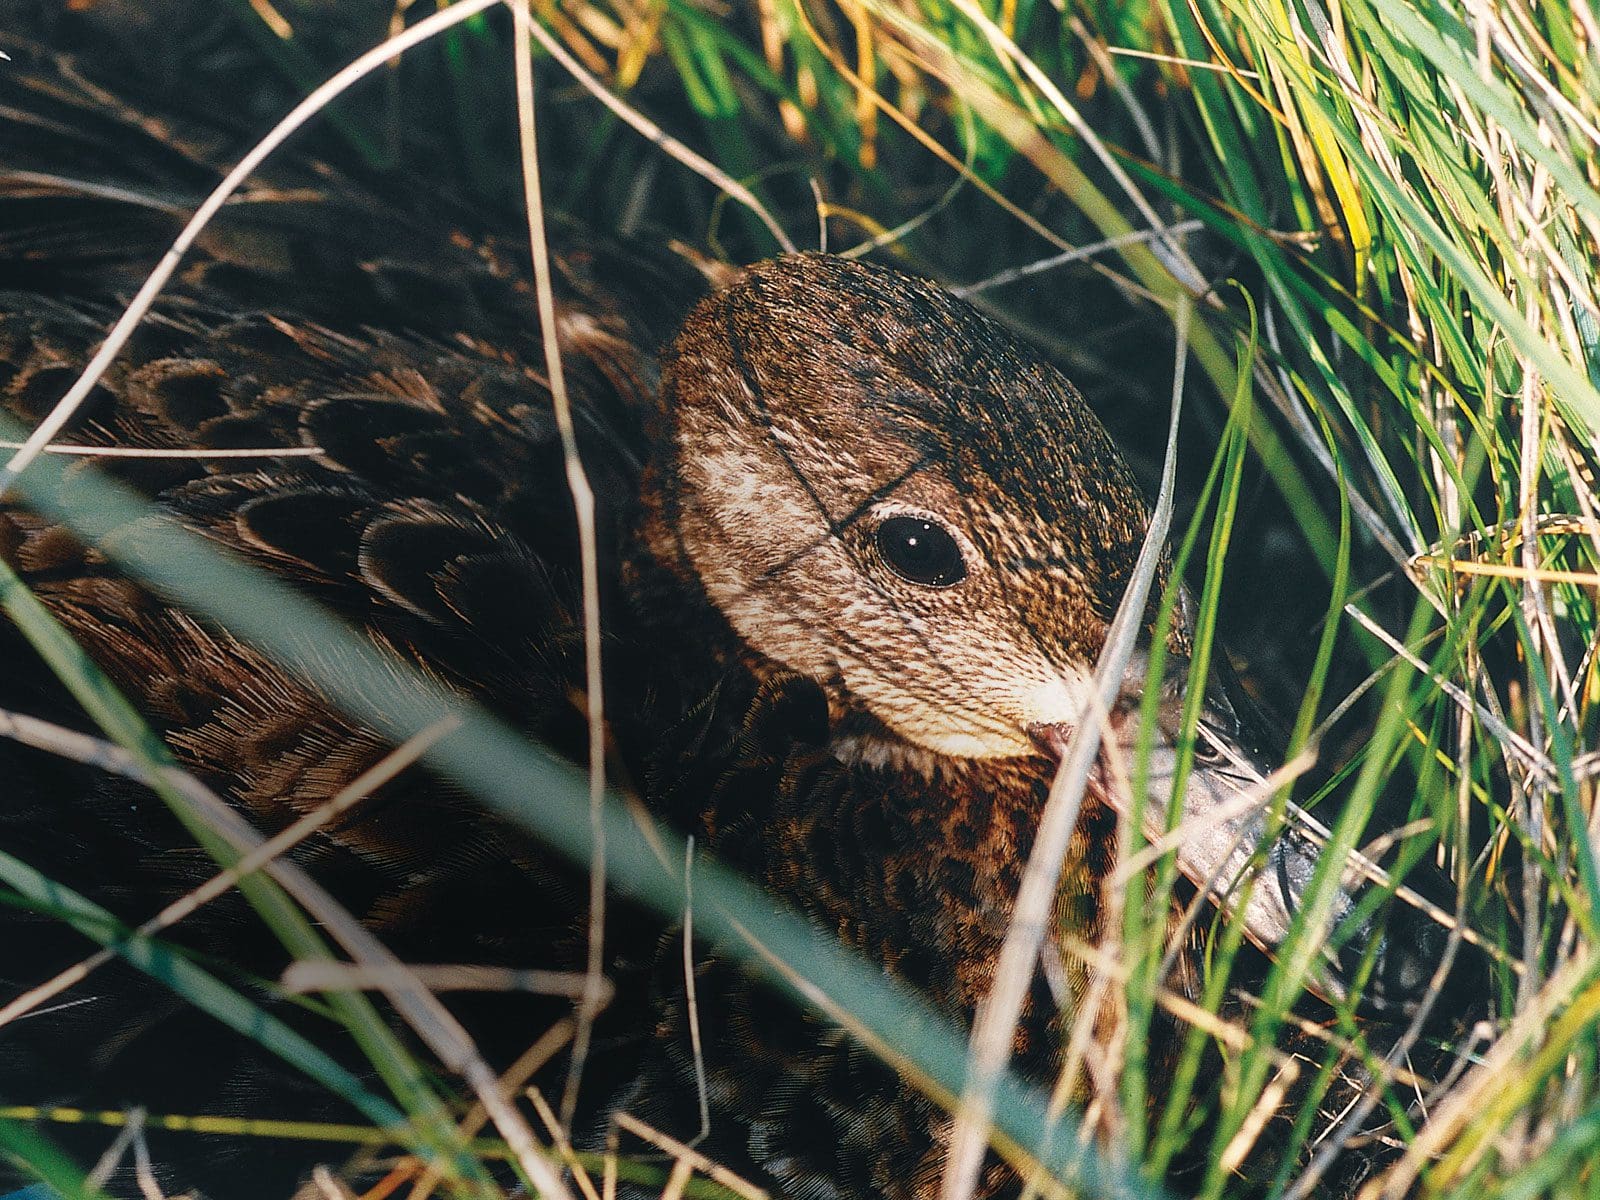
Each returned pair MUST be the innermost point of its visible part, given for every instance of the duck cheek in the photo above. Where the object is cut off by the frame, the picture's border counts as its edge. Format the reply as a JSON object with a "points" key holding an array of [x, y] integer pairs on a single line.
{"points": [[921, 724], [967, 741]]}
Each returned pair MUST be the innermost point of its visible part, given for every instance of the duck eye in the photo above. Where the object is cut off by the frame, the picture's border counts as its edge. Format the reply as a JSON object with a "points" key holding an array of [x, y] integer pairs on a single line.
{"points": [[920, 551]]}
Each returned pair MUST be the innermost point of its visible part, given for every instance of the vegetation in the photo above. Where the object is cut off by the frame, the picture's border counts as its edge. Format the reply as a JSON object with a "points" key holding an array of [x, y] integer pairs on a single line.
{"points": [[1377, 222]]}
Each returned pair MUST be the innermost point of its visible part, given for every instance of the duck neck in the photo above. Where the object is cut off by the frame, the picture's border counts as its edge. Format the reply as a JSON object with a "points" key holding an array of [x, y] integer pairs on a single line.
{"points": [[920, 871]]}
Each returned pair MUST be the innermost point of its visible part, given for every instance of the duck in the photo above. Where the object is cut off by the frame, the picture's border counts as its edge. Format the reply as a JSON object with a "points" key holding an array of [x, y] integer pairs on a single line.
{"points": [[859, 548]]}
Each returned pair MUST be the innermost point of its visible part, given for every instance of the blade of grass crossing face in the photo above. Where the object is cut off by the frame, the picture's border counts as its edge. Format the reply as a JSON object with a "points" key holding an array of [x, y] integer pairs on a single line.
{"points": [[1146, 909]]}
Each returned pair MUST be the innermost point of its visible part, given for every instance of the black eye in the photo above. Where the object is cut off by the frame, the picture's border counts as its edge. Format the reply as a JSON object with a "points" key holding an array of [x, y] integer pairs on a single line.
{"points": [[920, 551]]}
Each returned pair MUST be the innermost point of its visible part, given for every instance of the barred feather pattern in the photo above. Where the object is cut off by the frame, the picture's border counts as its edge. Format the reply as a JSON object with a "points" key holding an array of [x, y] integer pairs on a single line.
{"points": [[398, 338]]}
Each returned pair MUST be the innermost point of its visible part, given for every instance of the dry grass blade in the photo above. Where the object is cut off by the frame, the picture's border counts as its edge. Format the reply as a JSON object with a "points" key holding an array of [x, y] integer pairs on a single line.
{"points": [[440, 977], [144, 1172], [329, 1186], [165, 452], [528, 1063], [688, 1159], [1538, 764], [558, 1137], [583, 506], [691, 996], [1080, 254], [993, 1029], [111, 1159], [1269, 1103], [658, 136]]}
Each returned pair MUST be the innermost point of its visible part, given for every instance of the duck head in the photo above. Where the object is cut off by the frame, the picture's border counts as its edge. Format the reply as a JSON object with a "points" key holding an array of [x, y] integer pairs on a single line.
{"points": [[883, 489]]}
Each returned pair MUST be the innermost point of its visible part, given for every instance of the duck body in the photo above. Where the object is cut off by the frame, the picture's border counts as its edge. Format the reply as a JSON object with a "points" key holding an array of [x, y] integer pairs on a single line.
{"points": [[442, 546], [857, 547]]}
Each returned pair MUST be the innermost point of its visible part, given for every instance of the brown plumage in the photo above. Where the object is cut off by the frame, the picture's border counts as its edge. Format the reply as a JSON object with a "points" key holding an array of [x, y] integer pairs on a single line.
{"points": [[859, 548]]}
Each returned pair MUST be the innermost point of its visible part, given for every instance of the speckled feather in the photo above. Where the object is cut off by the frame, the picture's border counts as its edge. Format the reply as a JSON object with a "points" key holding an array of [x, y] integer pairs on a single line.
{"points": [[403, 344]]}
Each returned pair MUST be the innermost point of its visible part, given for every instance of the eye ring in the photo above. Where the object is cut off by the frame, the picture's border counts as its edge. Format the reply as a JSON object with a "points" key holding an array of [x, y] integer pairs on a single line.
{"points": [[920, 550]]}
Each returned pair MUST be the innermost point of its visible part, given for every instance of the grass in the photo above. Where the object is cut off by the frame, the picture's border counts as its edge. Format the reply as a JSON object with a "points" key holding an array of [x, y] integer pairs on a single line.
{"points": [[1394, 430]]}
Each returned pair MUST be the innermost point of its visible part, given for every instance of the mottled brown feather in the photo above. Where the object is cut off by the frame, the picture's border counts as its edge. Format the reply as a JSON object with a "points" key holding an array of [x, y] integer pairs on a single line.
{"points": [[401, 340]]}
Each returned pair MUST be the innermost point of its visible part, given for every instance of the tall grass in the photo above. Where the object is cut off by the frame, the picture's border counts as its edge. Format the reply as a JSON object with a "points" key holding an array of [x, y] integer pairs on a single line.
{"points": [[1391, 213]]}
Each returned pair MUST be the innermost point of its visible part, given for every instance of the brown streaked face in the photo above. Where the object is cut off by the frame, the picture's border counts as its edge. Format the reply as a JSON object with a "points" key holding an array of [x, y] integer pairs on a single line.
{"points": [[882, 488]]}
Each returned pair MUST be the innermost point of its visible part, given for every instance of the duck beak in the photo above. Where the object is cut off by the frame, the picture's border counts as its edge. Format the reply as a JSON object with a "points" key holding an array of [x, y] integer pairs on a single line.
{"points": [[1221, 840], [1220, 836], [1223, 847], [1222, 819]]}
